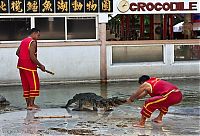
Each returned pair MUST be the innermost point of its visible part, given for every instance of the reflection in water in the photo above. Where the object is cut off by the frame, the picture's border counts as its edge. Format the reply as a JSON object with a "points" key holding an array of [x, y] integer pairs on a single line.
{"points": [[30, 117], [104, 92], [158, 130], [31, 125], [191, 97]]}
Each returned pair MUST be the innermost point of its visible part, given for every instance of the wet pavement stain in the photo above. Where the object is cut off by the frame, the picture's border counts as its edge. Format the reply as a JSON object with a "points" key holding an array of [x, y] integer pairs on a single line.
{"points": [[74, 131]]}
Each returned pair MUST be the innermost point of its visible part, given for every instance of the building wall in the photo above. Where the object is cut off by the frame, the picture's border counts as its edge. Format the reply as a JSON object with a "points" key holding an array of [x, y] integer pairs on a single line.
{"points": [[68, 62], [8, 64], [82, 62], [168, 68]]}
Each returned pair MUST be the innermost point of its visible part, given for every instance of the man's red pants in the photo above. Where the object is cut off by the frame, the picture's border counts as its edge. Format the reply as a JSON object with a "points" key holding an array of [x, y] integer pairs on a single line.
{"points": [[161, 103], [30, 82]]}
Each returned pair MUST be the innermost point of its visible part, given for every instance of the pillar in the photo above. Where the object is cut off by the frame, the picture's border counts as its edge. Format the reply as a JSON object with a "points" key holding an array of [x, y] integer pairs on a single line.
{"points": [[171, 23], [133, 31], [122, 27], [165, 26], [142, 27], [103, 63], [127, 27], [187, 26], [157, 27], [151, 27]]}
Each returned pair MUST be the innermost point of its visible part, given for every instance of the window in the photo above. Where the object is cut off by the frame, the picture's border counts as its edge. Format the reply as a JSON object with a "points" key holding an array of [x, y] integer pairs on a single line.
{"points": [[134, 54], [59, 28], [81, 28], [52, 28], [14, 29], [186, 52]]}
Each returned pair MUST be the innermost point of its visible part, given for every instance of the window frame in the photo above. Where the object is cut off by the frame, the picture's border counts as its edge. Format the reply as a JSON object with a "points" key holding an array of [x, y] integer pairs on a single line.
{"points": [[162, 62], [182, 61], [43, 41], [96, 28], [14, 17], [32, 19]]}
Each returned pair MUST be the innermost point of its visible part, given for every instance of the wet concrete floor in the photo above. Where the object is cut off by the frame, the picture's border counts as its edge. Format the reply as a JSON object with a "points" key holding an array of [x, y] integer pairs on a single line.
{"points": [[182, 120]]}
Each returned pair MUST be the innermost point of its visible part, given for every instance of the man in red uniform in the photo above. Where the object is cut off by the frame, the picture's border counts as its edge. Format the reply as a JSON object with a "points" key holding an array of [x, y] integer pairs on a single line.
{"points": [[163, 94], [27, 65]]}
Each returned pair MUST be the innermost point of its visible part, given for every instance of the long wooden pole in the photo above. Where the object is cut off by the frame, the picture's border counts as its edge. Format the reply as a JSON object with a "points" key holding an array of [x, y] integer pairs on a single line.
{"points": [[171, 32], [165, 21], [122, 27], [43, 117], [142, 27], [133, 31], [151, 27], [127, 27]]}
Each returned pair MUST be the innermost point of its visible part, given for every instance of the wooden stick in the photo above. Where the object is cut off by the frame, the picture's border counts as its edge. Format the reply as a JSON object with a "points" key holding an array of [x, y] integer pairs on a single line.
{"points": [[49, 72], [43, 117]]}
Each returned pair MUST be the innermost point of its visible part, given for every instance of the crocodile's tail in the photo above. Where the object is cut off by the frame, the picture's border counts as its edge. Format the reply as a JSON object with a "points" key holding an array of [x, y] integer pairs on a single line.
{"points": [[68, 103], [63, 106]]}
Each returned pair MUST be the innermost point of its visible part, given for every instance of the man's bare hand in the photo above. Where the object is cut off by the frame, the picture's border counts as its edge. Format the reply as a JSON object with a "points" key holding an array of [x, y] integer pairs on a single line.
{"points": [[128, 101], [42, 67]]}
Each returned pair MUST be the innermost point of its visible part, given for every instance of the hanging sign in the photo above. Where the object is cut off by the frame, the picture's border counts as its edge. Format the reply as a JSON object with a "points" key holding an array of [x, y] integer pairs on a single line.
{"points": [[32, 6], [156, 6], [16, 6], [91, 5], [3, 6], [56, 6], [62, 6], [46, 6]]}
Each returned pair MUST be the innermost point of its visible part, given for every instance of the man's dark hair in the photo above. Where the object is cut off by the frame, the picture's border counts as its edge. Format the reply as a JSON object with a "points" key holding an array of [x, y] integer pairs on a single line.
{"points": [[143, 78], [34, 30]]}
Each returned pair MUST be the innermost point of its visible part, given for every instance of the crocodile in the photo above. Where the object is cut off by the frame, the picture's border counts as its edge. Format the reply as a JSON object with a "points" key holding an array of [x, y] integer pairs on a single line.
{"points": [[3, 101], [94, 101]]}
